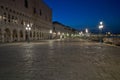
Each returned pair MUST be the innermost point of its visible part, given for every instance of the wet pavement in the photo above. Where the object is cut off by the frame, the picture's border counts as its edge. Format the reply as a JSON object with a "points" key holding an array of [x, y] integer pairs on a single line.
{"points": [[59, 60]]}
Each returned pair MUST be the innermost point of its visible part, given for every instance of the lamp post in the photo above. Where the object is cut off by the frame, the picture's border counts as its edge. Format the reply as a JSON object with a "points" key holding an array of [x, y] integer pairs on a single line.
{"points": [[86, 33], [28, 29], [100, 28], [50, 34], [86, 30]]}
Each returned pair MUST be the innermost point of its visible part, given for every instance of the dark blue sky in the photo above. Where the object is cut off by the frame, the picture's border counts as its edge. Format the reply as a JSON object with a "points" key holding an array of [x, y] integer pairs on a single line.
{"points": [[82, 14]]}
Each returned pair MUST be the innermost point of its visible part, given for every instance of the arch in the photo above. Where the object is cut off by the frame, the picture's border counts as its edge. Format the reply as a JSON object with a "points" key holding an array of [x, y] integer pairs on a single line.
{"points": [[30, 34], [34, 34], [37, 35], [21, 35], [42, 35], [26, 35], [7, 35], [15, 36]]}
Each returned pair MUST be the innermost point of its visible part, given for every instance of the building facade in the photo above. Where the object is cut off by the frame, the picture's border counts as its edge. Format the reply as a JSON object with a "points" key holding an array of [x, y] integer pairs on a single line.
{"points": [[62, 31], [21, 20]]}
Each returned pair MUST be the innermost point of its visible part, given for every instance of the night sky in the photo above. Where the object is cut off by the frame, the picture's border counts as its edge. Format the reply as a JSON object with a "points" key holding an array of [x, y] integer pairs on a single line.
{"points": [[81, 14]]}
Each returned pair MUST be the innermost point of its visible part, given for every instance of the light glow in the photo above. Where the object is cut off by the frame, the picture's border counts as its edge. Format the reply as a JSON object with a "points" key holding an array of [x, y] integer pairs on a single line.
{"points": [[86, 30], [50, 31], [101, 23], [58, 33]]}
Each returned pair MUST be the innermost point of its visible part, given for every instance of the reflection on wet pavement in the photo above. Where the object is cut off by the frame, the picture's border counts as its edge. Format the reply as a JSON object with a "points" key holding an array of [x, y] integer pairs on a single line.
{"points": [[59, 60]]}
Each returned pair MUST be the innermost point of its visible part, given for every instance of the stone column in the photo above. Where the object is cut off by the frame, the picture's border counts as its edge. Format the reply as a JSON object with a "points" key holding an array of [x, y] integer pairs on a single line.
{"points": [[39, 34], [18, 35], [3, 38], [11, 36], [35, 35], [24, 35], [47, 35], [32, 35]]}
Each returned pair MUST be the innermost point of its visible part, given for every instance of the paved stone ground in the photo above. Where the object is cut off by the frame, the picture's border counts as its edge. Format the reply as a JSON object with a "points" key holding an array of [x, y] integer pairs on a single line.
{"points": [[59, 60]]}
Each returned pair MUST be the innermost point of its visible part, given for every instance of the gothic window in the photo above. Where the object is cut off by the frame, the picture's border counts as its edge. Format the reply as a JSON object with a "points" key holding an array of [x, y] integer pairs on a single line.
{"points": [[34, 10], [40, 12], [26, 3]]}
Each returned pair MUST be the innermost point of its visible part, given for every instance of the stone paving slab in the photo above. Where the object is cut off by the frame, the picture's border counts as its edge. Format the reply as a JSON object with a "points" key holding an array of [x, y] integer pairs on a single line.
{"points": [[59, 60]]}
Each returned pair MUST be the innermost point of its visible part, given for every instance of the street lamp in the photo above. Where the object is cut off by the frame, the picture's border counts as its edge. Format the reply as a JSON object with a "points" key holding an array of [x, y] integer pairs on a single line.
{"points": [[50, 34], [28, 29], [86, 33], [86, 30], [100, 28]]}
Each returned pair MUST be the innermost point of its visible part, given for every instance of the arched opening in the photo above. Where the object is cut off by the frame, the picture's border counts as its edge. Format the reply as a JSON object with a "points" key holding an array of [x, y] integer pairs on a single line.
{"points": [[15, 35], [34, 35], [21, 35], [7, 35], [26, 35], [37, 35], [30, 34], [42, 35]]}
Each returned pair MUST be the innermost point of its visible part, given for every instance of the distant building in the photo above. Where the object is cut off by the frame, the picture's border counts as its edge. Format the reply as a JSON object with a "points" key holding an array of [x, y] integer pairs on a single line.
{"points": [[24, 19], [60, 30]]}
